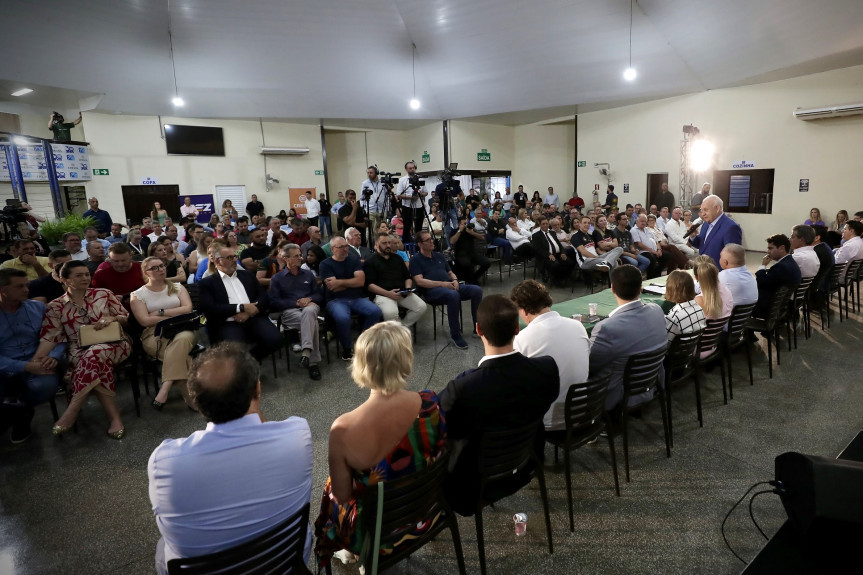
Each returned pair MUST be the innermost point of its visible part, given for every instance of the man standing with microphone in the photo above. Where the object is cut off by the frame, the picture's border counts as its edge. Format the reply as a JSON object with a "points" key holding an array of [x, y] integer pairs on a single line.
{"points": [[412, 198]]}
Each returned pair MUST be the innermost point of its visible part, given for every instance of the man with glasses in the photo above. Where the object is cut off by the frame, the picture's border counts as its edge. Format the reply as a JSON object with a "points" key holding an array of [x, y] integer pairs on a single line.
{"points": [[431, 272], [234, 304], [343, 279], [717, 230], [294, 292]]}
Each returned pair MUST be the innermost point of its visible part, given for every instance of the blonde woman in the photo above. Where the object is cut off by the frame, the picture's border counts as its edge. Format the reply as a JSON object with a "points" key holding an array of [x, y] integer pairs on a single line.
{"points": [[524, 222], [158, 299], [687, 316], [394, 433], [715, 298]]}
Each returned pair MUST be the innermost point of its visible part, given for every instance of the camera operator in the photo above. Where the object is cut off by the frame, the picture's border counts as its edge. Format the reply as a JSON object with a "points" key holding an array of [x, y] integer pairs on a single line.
{"points": [[58, 125], [374, 198], [446, 192], [412, 193], [470, 262]]}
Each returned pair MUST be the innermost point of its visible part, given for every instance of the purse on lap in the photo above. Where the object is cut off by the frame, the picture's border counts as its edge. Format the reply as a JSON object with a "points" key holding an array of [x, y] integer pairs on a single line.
{"points": [[89, 335], [168, 328]]}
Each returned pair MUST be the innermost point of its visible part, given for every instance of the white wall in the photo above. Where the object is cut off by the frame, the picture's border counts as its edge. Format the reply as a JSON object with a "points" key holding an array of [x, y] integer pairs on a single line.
{"points": [[466, 139], [544, 156], [428, 138], [754, 123]]}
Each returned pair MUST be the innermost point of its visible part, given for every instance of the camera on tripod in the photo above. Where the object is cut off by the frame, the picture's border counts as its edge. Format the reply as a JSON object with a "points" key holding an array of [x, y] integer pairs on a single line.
{"points": [[13, 212]]}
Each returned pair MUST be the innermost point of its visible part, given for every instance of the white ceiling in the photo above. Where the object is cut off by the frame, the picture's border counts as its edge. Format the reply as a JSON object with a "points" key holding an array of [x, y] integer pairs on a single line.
{"points": [[508, 61]]}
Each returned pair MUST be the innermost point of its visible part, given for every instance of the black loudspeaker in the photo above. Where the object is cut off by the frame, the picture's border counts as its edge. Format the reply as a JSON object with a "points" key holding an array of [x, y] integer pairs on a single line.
{"points": [[819, 488]]}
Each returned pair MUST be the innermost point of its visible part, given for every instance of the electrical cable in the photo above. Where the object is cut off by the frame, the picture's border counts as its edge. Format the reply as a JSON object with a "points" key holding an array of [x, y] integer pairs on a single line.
{"points": [[752, 516], [434, 363], [730, 511]]}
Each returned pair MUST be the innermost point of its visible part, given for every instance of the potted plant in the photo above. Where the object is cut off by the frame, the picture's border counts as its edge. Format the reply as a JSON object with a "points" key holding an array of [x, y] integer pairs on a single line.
{"points": [[53, 231]]}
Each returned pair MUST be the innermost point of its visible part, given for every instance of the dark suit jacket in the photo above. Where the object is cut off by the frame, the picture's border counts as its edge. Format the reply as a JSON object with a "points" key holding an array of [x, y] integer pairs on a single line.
{"points": [[214, 298], [726, 231], [540, 244], [782, 273], [502, 393]]}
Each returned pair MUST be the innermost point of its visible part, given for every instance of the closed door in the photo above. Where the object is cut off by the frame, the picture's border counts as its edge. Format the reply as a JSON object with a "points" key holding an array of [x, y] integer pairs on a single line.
{"points": [[654, 187], [138, 201]]}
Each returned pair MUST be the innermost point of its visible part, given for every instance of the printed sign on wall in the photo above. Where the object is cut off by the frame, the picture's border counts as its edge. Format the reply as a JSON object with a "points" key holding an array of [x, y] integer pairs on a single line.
{"points": [[204, 204], [297, 201], [71, 161]]}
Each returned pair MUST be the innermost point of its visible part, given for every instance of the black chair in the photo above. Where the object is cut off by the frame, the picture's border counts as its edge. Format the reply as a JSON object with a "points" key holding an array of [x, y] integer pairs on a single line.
{"points": [[292, 334], [736, 337], [709, 350], [852, 281], [836, 286], [279, 550], [495, 256], [408, 501], [585, 417], [679, 366], [769, 326], [502, 454], [442, 306], [857, 278], [817, 301], [799, 308], [641, 375]]}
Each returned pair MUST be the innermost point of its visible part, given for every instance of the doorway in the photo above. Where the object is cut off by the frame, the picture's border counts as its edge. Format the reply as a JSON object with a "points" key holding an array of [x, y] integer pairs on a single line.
{"points": [[654, 187], [138, 201]]}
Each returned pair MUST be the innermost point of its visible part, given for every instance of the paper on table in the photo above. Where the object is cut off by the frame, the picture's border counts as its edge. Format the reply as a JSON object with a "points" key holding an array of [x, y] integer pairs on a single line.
{"points": [[655, 289]]}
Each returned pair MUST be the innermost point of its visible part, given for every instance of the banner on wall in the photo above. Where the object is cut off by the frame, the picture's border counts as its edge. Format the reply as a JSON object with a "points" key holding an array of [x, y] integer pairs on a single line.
{"points": [[204, 204], [297, 196], [72, 162]]}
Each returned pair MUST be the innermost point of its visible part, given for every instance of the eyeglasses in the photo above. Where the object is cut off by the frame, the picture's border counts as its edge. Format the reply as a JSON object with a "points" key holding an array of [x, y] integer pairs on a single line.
{"points": [[427, 240], [157, 268], [229, 258], [342, 247]]}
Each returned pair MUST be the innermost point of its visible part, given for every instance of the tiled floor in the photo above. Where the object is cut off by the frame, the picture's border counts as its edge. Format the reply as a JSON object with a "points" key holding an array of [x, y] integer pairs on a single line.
{"points": [[80, 505]]}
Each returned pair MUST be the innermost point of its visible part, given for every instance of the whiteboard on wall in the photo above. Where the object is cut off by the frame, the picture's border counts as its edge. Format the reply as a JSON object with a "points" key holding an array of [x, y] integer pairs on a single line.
{"points": [[237, 195]]}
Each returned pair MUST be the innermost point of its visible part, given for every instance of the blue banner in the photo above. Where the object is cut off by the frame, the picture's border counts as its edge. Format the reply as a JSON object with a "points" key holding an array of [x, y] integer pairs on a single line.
{"points": [[204, 205]]}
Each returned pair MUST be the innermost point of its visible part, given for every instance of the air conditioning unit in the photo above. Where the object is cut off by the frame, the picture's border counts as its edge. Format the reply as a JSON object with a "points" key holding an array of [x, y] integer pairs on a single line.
{"points": [[828, 112], [283, 151]]}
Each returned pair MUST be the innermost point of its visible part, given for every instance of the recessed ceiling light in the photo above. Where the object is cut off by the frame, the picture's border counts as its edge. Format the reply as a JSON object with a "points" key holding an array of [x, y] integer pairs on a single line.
{"points": [[22, 92]]}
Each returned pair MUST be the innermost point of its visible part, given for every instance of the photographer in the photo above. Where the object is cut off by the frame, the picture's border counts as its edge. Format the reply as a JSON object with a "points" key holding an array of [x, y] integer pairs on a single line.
{"points": [[412, 194], [467, 252], [353, 215], [446, 192], [58, 125], [374, 198]]}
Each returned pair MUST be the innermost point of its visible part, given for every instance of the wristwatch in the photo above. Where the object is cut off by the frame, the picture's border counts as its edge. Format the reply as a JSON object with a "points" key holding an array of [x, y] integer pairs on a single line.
{"points": [[161, 312], [242, 308]]}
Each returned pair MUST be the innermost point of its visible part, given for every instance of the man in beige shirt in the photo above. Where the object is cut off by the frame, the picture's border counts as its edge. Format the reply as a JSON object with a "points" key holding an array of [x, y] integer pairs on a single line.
{"points": [[27, 261]]}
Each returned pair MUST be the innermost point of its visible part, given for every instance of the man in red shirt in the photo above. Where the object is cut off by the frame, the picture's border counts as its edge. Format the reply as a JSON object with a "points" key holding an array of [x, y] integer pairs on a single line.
{"points": [[299, 232], [576, 202], [119, 274]]}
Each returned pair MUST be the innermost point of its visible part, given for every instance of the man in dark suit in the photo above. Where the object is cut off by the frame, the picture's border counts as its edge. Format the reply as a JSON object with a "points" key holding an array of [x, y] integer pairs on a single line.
{"points": [[549, 251], [507, 390], [784, 272], [632, 327], [716, 231], [235, 306]]}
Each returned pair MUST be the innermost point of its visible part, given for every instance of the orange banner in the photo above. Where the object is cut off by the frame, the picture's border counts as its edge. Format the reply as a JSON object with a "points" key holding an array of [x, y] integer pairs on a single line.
{"points": [[296, 200]]}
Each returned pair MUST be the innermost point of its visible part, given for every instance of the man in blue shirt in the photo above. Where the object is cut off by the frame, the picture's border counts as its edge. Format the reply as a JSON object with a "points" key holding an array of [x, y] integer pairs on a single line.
{"points": [[344, 279], [240, 477], [103, 218], [433, 275], [294, 292], [35, 379]]}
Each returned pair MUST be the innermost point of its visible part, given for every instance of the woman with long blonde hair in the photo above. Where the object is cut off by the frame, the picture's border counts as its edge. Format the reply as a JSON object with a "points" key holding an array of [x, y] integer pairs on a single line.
{"points": [[159, 299], [715, 298]]}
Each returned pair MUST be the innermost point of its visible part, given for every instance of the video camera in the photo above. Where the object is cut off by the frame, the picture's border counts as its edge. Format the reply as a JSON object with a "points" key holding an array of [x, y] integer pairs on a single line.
{"points": [[13, 212], [415, 182], [57, 117]]}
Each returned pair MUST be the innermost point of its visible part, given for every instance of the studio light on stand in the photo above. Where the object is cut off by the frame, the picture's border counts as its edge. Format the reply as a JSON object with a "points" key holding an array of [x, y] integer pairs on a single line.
{"points": [[414, 103], [701, 156], [629, 74]]}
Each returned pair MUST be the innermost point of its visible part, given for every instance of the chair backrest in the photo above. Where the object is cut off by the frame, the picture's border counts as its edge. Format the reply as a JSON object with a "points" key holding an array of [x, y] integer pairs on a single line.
{"points": [[585, 402], [802, 288], [681, 352], [642, 370], [737, 323], [279, 550], [854, 271], [411, 248], [838, 273], [710, 336], [408, 501], [195, 295], [502, 453]]}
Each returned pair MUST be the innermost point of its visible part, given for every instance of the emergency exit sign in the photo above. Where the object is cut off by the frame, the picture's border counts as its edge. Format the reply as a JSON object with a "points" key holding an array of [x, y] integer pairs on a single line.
{"points": [[319, 172], [483, 156], [100, 172], [582, 164], [426, 157]]}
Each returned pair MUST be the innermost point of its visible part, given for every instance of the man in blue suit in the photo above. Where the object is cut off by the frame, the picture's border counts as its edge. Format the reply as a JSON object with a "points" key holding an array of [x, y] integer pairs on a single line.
{"points": [[716, 231], [632, 327], [235, 306], [783, 273]]}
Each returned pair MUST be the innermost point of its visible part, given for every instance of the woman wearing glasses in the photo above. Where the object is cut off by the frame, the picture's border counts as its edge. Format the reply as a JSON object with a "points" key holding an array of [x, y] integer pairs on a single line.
{"points": [[157, 300]]}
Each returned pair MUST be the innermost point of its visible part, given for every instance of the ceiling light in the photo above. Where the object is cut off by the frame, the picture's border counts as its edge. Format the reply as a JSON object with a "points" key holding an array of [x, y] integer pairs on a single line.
{"points": [[629, 74], [414, 103], [22, 92], [178, 102]]}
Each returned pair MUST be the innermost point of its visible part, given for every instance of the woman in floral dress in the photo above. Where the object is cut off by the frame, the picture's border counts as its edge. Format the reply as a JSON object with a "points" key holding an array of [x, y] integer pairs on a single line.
{"points": [[90, 369]]}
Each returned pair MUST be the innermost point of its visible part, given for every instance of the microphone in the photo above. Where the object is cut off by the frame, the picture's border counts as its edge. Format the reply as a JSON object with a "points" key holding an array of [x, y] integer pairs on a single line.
{"points": [[692, 229]]}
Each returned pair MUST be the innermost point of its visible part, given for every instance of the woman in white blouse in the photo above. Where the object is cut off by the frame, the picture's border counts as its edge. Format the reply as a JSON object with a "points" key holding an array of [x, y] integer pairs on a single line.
{"points": [[687, 316]]}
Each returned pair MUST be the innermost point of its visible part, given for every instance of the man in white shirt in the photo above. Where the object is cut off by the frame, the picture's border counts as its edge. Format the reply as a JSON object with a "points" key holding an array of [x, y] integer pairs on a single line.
{"points": [[675, 230], [188, 208], [274, 226], [663, 218], [547, 333], [802, 238], [480, 224], [91, 234], [552, 199], [194, 481], [852, 249], [412, 195], [519, 238], [507, 201], [313, 208], [376, 192], [72, 243], [735, 276], [157, 231], [642, 239]]}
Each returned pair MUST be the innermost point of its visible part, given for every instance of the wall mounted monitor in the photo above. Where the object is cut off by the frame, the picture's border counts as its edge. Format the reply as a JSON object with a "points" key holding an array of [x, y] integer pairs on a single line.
{"points": [[194, 140]]}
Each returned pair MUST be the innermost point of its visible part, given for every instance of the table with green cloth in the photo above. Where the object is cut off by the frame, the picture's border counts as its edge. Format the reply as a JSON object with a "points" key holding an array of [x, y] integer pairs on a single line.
{"points": [[605, 303]]}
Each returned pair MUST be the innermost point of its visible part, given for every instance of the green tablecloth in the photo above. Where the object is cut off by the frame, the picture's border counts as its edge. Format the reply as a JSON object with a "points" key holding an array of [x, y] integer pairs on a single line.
{"points": [[605, 303]]}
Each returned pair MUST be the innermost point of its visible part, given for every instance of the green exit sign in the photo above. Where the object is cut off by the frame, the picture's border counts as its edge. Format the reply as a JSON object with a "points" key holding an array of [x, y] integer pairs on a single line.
{"points": [[426, 157], [582, 164], [483, 156], [100, 172], [319, 172]]}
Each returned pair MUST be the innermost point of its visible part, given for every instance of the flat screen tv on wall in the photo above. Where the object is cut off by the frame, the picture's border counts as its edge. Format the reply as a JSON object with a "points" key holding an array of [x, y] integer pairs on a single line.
{"points": [[194, 140]]}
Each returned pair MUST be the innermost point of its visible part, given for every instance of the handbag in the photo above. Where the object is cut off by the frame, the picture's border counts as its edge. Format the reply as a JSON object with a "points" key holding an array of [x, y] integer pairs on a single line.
{"points": [[89, 335], [168, 328]]}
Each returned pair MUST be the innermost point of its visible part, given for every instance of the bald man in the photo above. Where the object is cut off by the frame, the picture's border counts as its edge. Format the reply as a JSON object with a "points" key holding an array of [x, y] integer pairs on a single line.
{"points": [[735, 276], [717, 229]]}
